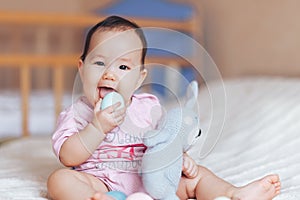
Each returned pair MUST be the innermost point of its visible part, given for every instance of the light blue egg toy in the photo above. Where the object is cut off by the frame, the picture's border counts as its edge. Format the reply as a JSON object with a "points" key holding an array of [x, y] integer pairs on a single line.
{"points": [[112, 98], [117, 195]]}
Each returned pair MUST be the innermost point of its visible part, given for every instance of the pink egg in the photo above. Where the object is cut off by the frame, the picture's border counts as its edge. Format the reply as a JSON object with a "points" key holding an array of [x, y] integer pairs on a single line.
{"points": [[139, 196]]}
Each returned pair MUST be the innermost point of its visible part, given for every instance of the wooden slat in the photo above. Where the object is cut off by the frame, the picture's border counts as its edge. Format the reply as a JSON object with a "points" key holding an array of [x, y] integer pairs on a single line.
{"points": [[25, 91], [36, 60], [58, 88], [69, 60], [46, 19], [86, 20]]}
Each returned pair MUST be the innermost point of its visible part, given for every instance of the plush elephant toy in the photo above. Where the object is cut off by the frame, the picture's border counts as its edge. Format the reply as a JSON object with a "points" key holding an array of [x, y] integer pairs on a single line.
{"points": [[163, 159]]}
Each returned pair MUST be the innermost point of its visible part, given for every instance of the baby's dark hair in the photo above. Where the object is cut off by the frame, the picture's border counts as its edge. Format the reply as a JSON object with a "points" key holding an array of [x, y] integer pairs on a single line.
{"points": [[115, 23]]}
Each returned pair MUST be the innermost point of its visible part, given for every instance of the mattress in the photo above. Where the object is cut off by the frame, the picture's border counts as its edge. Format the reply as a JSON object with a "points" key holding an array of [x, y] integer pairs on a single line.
{"points": [[253, 131]]}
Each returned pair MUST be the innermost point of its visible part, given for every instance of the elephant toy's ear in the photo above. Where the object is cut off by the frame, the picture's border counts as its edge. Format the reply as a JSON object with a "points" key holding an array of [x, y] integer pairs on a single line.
{"points": [[192, 94]]}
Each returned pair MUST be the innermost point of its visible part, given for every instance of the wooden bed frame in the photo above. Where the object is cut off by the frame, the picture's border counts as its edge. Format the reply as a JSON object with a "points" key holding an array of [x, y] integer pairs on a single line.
{"points": [[25, 63]]}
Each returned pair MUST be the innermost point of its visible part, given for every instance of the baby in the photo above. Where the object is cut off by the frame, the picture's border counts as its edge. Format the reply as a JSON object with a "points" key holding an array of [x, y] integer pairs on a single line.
{"points": [[103, 147]]}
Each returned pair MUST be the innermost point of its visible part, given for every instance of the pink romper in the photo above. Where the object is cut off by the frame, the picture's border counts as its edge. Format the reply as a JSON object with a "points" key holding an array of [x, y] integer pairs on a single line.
{"points": [[117, 160]]}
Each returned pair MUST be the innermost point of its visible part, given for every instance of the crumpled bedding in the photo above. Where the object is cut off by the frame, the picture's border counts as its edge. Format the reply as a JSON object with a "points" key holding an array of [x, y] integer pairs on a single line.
{"points": [[259, 134]]}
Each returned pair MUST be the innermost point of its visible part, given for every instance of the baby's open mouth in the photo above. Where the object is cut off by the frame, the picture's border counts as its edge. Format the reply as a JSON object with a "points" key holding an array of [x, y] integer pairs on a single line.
{"points": [[104, 91]]}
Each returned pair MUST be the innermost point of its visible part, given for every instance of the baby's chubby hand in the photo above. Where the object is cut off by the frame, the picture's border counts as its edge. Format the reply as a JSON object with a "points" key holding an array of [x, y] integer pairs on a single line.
{"points": [[190, 167], [107, 119]]}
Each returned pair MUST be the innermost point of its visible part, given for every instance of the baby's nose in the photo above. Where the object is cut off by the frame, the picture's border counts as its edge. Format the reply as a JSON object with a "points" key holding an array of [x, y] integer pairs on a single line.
{"points": [[109, 75]]}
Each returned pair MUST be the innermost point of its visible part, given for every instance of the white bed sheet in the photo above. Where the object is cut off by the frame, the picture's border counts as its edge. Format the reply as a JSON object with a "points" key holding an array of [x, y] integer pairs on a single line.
{"points": [[25, 165], [261, 133], [260, 136]]}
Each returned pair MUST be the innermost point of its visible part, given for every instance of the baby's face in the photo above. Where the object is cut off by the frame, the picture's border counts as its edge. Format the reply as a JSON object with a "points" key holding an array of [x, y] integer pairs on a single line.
{"points": [[112, 64]]}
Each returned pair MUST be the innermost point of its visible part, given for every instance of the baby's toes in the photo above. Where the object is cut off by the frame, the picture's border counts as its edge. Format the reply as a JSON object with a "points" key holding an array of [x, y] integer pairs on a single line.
{"points": [[277, 187]]}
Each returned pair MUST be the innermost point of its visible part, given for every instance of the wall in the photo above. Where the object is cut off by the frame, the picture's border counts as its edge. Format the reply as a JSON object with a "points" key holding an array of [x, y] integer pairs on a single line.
{"points": [[262, 37]]}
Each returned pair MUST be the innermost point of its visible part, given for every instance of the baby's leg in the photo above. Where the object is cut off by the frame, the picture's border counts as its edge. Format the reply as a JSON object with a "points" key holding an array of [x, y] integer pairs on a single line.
{"points": [[207, 185], [70, 184]]}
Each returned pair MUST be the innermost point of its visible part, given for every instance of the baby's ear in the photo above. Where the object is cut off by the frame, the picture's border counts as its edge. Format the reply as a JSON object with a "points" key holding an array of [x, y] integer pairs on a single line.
{"points": [[143, 76], [192, 94], [80, 68]]}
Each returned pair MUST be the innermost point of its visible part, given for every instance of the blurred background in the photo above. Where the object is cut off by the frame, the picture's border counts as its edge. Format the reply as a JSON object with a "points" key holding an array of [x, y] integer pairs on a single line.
{"points": [[55, 28], [41, 42]]}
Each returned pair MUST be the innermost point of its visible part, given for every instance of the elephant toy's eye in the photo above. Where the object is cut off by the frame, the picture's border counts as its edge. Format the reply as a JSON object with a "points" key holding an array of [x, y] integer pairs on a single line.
{"points": [[199, 133]]}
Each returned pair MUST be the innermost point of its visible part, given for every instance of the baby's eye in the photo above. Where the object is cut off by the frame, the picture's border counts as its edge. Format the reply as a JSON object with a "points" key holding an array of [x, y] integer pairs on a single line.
{"points": [[99, 63], [124, 67]]}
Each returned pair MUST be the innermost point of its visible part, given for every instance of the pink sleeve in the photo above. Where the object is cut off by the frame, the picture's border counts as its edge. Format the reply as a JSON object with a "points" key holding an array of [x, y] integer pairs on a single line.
{"points": [[150, 107], [155, 112], [66, 126], [70, 121]]}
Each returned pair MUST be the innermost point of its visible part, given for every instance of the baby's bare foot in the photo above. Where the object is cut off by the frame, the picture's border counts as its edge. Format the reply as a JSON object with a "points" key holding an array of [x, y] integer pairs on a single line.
{"points": [[264, 189], [100, 196]]}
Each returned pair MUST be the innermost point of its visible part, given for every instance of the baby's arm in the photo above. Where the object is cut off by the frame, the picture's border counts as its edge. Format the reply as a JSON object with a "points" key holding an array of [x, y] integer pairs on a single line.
{"points": [[79, 147], [190, 167]]}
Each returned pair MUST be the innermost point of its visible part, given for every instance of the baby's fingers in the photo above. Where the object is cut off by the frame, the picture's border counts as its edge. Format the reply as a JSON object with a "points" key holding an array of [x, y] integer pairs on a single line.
{"points": [[190, 168], [117, 105], [189, 172], [194, 171], [98, 105], [119, 115]]}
